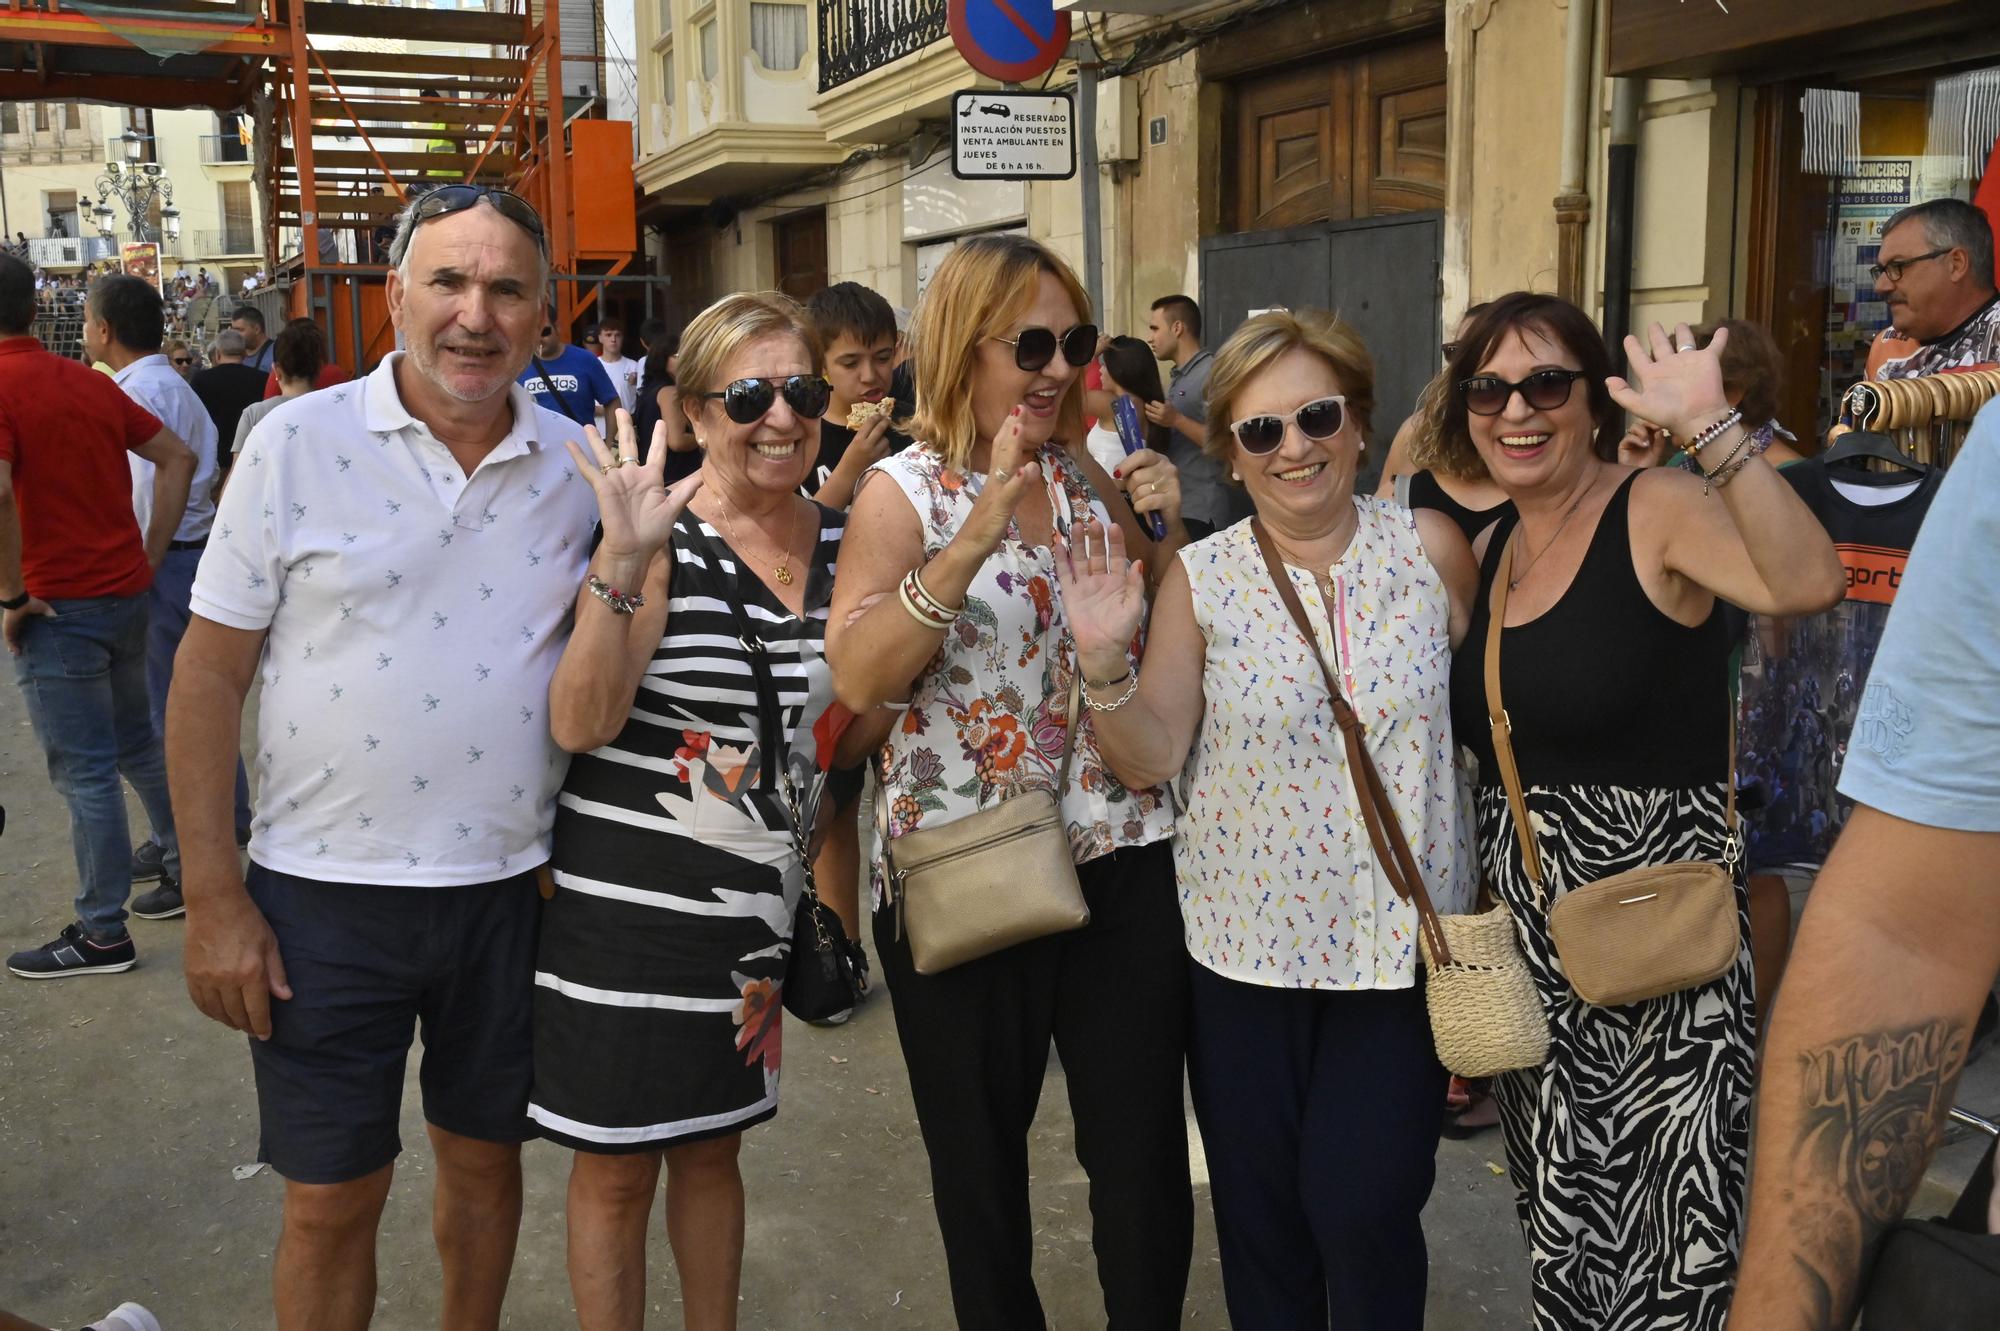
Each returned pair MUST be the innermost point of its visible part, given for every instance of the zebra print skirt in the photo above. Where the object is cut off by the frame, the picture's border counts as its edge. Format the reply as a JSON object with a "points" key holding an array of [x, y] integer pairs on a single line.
{"points": [[1627, 1148]]}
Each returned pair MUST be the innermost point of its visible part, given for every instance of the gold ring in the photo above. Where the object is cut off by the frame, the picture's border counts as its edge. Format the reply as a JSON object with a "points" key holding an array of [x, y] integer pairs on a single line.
{"points": [[605, 468]]}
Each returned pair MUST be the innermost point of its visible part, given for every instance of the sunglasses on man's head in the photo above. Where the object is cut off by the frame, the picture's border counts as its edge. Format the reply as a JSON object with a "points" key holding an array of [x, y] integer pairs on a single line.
{"points": [[746, 400], [1544, 390], [448, 199], [1320, 418], [1036, 347]]}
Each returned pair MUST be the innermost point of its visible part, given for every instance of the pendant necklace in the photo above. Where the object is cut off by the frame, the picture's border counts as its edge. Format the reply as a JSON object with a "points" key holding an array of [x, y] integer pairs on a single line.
{"points": [[781, 569]]}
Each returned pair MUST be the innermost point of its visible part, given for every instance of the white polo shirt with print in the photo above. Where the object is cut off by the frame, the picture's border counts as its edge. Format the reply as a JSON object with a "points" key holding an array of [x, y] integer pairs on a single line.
{"points": [[415, 617]]}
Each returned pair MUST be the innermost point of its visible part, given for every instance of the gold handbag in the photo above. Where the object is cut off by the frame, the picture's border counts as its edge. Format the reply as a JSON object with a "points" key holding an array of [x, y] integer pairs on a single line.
{"points": [[1486, 1017], [991, 879], [1639, 934]]}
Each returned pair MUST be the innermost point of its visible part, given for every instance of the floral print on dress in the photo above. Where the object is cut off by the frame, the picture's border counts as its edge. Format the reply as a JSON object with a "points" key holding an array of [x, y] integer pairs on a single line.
{"points": [[986, 719], [1277, 876]]}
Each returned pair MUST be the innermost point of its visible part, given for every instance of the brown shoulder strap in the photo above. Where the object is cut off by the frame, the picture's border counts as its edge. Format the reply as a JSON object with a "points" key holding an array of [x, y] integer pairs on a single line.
{"points": [[1496, 716], [1385, 832]]}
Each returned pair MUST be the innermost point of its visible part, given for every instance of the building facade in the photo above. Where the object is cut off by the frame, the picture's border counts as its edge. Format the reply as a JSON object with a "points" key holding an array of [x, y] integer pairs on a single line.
{"points": [[1393, 159]]}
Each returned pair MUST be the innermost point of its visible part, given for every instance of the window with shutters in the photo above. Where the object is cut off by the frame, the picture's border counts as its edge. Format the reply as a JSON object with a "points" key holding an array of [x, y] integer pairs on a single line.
{"points": [[239, 228]]}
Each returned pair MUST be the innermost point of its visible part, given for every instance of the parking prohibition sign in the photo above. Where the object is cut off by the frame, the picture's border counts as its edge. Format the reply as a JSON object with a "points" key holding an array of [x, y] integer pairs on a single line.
{"points": [[1009, 40]]}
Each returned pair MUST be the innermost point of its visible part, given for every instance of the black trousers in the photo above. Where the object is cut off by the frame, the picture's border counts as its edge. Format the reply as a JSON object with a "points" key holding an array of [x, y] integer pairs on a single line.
{"points": [[1113, 997], [1320, 1112]]}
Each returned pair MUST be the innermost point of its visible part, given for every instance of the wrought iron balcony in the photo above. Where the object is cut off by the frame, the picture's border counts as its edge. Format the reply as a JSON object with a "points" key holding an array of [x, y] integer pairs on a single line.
{"points": [[856, 36]]}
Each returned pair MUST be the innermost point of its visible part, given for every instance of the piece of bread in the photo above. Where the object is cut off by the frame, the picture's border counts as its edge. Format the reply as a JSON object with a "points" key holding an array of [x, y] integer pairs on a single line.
{"points": [[861, 413]]}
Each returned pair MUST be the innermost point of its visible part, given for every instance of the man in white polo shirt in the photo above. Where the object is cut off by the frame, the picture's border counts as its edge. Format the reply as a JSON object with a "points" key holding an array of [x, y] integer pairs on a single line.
{"points": [[124, 324], [401, 556]]}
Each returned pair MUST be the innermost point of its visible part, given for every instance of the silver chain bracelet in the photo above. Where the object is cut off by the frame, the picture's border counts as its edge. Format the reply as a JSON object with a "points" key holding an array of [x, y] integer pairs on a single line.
{"points": [[1131, 688]]}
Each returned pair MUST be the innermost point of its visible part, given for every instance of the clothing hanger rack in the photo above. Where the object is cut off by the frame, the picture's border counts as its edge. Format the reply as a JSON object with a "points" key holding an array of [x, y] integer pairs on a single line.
{"points": [[1928, 414]]}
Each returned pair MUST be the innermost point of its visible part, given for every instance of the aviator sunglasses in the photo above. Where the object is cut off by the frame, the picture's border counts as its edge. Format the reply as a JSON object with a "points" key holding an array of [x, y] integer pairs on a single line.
{"points": [[746, 400], [1320, 418], [448, 199], [1036, 347], [1544, 390]]}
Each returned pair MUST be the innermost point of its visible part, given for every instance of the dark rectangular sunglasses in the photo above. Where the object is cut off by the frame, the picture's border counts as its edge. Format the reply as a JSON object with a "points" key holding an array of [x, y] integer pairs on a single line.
{"points": [[1036, 347], [448, 199], [746, 400], [1544, 390], [1320, 418]]}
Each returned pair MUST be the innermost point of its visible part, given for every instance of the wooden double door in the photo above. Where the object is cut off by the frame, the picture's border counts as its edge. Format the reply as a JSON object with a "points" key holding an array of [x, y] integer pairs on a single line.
{"points": [[1357, 136]]}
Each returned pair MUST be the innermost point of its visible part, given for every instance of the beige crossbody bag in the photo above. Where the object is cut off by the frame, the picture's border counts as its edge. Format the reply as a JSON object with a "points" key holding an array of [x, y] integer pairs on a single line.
{"points": [[1635, 935], [1486, 1017]]}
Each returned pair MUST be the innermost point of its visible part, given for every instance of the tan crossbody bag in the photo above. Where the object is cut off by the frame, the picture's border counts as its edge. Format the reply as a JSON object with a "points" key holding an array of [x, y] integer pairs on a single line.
{"points": [[1635, 935], [1485, 1015], [991, 879]]}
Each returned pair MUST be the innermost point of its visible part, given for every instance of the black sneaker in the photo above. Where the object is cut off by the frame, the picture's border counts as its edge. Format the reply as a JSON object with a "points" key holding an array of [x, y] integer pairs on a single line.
{"points": [[149, 861], [73, 953], [162, 903]]}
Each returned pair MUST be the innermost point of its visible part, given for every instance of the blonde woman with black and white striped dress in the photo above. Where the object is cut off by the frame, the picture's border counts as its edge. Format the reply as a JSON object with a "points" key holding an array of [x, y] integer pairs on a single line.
{"points": [[657, 1018]]}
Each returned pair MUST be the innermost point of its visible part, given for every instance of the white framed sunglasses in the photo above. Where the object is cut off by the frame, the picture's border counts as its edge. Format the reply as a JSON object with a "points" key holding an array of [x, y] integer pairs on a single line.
{"points": [[1320, 418]]}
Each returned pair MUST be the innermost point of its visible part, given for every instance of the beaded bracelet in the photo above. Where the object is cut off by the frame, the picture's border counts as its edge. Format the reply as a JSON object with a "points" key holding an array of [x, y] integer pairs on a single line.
{"points": [[1737, 457], [1714, 432], [620, 602]]}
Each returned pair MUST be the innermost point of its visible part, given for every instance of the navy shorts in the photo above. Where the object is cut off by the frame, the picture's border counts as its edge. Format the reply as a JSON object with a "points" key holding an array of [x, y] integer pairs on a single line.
{"points": [[370, 966]]}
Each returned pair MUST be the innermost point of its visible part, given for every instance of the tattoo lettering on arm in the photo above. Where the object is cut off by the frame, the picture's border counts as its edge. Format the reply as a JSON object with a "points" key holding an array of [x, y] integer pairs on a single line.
{"points": [[1874, 1107]]}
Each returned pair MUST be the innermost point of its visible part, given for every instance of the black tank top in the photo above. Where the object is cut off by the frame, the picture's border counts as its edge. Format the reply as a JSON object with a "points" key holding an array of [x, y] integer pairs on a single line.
{"points": [[1425, 492], [1604, 688]]}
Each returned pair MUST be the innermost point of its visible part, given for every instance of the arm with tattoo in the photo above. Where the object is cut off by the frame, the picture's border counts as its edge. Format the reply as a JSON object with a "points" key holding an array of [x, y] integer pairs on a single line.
{"points": [[1898, 948]]}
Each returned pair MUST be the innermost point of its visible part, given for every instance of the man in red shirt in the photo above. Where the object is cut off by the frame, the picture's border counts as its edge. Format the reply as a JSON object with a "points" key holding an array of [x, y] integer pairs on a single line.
{"points": [[74, 572]]}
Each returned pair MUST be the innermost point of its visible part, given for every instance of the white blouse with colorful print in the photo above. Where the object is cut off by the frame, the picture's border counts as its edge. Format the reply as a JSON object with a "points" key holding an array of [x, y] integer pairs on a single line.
{"points": [[986, 717], [1278, 880]]}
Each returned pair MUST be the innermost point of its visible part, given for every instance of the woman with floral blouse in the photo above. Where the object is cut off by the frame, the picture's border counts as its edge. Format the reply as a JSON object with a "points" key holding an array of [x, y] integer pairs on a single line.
{"points": [[1319, 1094], [973, 512]]}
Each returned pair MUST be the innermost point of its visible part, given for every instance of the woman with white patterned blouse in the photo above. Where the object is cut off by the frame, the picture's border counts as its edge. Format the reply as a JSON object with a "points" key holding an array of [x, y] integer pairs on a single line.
{"points": [[1319, 1094], [971, 513]]}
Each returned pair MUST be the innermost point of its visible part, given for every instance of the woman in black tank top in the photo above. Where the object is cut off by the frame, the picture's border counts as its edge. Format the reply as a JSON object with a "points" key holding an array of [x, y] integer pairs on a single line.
{"points": [[1627, 1147], [1427, 491]]}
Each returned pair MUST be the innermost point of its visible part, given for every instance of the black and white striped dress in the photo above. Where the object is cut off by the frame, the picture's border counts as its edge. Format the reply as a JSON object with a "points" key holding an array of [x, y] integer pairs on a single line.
{"points": [[657, 1016], [1627, 1148]]}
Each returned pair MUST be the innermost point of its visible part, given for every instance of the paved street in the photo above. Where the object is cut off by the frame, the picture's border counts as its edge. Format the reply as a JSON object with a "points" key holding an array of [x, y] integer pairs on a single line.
{"points": [[123, 1115]]}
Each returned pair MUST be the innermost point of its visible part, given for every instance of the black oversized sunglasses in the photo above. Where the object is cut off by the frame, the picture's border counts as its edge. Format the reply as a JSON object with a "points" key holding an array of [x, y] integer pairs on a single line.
{"points": [[746, 400], [1320, 418], [448, 199], [1544, 390], [1036, 347]]}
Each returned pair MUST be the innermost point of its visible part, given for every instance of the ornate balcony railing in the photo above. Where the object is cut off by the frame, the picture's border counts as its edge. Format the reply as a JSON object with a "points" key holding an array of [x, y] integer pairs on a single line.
{"points": [[856, 36]]}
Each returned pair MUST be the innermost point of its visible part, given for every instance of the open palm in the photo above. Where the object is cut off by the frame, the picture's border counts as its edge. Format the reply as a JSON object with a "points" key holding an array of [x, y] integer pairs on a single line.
{"points": [[634, 504], [1679, 388], [1104, 596]]}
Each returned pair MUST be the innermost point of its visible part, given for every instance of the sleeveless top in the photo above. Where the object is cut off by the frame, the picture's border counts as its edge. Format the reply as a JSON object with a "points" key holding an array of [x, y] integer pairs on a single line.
{"points": [[1604, 688], [690, 760], [1278, 880], [1425, 492], [986, 716]]}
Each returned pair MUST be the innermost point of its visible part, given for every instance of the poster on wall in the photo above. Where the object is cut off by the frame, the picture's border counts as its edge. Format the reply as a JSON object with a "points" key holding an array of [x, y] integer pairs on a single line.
{"points": [[1865, 198], [142, 259]]}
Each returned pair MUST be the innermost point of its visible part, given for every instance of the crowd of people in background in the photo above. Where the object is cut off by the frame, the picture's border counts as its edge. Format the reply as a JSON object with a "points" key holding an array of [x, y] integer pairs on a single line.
{"points": [[800, 577]]}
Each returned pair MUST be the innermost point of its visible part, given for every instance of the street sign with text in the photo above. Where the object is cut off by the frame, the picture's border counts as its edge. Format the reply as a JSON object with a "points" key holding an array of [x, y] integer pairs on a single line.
{"points": [[1013, 136], [1009, 40]]}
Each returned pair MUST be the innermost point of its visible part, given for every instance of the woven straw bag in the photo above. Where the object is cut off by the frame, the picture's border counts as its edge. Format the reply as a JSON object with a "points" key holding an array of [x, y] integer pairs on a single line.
{"points": [[1485, 1015]]}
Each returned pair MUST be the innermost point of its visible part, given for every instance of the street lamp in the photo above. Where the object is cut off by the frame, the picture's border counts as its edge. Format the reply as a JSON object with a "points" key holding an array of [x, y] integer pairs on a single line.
{"points": [[140, 186]]}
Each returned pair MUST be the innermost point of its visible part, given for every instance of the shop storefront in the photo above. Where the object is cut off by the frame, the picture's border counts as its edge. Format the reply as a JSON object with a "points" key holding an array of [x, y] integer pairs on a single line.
{"points": [[1847, 113]]}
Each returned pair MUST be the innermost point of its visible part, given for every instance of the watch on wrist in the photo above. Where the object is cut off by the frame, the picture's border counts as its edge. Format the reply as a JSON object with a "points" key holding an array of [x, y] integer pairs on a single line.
{"points": [[16, 602]]}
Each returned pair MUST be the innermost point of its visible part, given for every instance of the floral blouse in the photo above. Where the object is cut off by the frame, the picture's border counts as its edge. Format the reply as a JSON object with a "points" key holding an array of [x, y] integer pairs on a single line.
{"points": [[986, 717], [1278, 879]]}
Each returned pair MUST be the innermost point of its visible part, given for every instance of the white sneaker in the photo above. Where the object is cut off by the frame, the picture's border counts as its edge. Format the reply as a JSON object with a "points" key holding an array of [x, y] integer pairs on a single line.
{"points": [[126, 1317]]}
